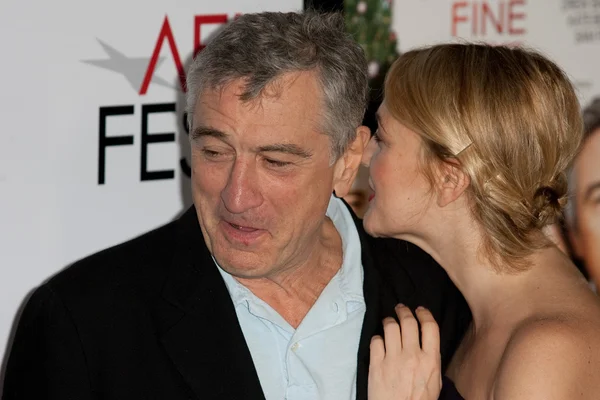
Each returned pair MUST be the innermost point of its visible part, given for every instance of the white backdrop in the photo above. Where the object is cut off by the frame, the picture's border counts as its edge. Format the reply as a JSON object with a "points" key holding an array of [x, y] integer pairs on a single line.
{"points": [[568, 31], [65, 63]]}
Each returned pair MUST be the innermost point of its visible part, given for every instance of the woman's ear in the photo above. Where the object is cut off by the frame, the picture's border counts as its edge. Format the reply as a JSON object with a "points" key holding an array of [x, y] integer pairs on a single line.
{"points": [[451, 182]]}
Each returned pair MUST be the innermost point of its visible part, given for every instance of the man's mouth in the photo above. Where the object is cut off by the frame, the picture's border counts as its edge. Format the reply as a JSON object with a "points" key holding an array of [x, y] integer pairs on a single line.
{"points": [[241, 234], [243, 228]]}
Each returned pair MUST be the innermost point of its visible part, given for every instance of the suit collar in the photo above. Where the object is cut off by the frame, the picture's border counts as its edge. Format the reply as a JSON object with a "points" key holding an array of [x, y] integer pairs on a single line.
{"points": [[380, 297], [200, 329], [201, 332]]}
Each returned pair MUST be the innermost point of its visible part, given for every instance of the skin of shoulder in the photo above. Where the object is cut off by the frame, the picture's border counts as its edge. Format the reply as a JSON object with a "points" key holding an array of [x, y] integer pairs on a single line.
{"points": [[550, 359]]}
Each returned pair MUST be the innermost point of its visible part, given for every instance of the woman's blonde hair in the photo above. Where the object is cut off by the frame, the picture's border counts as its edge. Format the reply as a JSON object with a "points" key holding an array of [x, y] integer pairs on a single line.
{"points": [[512, 120]]}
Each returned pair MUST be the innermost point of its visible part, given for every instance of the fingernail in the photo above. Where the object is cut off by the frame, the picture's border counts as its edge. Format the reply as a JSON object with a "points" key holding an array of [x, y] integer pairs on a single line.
{"points": [[420, 308], [400, 305]]}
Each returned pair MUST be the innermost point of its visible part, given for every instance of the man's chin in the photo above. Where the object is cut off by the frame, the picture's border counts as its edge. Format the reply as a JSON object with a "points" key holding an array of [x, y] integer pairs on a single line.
{"points": [[245, 265]]}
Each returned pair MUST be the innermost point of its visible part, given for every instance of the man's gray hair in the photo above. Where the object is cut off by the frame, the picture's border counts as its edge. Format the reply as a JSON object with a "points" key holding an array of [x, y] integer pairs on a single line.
{"points": [[261, 47], [591, 123]]}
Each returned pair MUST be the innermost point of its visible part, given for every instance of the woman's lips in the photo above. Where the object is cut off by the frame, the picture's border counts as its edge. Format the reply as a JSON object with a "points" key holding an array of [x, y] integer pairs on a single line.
{"points": [[372, 196]]}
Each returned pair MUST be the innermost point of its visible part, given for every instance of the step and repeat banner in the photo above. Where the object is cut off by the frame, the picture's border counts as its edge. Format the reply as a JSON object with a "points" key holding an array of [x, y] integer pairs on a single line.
{"points": [[93, 143], [568, 31], [93, 149]]}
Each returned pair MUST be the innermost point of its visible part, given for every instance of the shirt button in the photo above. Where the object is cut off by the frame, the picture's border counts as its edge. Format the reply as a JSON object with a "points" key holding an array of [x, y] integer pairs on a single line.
{"points": [[295, 347]]}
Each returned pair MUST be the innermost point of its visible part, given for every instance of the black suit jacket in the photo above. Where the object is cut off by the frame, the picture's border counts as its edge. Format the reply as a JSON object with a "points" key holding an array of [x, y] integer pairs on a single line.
{"points": [[152, 319]]}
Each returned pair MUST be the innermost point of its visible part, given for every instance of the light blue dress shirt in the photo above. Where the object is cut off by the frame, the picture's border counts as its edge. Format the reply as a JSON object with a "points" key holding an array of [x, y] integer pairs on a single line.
{"points": [[318, 359]]}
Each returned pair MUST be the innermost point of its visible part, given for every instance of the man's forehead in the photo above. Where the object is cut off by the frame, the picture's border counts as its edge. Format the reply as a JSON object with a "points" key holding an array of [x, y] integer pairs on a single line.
{"points": [[292, 103], [286, 85]]}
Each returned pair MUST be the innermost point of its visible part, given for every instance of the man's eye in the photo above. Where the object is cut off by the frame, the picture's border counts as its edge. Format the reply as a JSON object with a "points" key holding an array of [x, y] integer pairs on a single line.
{"points": [[276, 163], [210, 153]]}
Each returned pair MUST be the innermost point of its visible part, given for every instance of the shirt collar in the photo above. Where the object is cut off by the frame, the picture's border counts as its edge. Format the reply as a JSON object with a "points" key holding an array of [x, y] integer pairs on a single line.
{"points": [[351, 274]]}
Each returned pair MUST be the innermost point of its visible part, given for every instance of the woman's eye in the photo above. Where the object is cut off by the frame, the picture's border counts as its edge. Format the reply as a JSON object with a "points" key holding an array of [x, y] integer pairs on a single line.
{"points": [[376, 136]]}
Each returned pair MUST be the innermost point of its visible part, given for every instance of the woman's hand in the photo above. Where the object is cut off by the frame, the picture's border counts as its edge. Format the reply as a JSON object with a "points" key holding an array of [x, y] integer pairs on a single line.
{"points": [[400, 368]]}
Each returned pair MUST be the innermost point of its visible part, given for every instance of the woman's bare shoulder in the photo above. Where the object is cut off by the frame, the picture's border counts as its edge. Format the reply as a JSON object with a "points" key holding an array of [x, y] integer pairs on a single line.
{"points": [[552, 357]]}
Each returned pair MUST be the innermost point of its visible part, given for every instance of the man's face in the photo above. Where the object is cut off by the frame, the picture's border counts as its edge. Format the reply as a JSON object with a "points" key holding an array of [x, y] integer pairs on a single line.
{"points": [[261, 179], [587, 196]]}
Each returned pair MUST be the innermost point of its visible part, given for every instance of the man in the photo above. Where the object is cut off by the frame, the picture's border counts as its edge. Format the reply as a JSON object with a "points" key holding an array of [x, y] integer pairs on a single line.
{"points": [[268, 286], [583, 212]]}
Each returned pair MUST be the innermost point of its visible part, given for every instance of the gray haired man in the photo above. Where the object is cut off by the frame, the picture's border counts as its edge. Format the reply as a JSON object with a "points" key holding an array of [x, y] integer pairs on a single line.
{"points": [[268, 286]]}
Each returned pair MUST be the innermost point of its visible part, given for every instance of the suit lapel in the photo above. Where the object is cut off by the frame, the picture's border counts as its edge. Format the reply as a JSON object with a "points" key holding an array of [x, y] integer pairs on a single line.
{"points": [[203, 337], [382, 291], [201, 333], [371, 287]]}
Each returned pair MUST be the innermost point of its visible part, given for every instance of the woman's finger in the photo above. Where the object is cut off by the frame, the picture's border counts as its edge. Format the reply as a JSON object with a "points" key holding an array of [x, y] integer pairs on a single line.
{"points": [[430, 332], [408, 327], [377, 350], [393, 340]]}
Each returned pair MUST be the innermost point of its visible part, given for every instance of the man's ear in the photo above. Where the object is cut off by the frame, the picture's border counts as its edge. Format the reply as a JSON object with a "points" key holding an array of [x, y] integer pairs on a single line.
{"points": [[346, 167], [451, 182]]}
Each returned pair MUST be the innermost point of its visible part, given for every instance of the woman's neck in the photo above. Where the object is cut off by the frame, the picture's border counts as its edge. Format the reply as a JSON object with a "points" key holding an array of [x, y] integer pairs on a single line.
{"points": [[494, 297]]}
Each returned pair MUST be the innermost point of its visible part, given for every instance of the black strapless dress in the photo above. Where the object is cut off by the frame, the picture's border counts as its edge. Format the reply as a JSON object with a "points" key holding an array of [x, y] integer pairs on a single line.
{"points": [[449, 391]]}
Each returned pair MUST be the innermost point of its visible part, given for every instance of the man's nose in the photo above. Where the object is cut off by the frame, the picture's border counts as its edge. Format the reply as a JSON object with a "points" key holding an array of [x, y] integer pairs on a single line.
{"points": [[242, 192], [369, 151]]}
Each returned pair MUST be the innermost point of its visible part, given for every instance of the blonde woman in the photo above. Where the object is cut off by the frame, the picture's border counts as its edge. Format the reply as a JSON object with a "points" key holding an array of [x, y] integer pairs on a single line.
{"points": [[469, 163]]}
